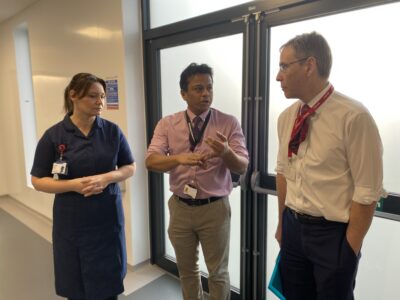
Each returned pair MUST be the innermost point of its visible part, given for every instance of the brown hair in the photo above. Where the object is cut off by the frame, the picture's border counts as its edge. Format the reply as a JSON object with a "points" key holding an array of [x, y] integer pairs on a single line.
{"points": [[313, 44], [80, 84]]}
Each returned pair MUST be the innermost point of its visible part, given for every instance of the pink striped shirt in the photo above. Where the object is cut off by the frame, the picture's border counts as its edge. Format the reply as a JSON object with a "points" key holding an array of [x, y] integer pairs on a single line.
{"points": [[171, 137]]}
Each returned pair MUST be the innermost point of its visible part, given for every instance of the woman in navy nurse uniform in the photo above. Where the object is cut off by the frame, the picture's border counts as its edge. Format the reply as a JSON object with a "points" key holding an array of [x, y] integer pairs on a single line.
{"points": [[80, 160]]}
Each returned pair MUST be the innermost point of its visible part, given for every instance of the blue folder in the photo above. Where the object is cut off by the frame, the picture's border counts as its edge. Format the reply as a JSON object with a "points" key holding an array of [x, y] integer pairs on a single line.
{"points": [[275, 283]]}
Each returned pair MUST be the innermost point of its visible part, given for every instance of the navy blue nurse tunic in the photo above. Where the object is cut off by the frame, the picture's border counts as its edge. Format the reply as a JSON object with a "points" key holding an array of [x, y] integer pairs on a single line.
{"points": [[88, 232]]}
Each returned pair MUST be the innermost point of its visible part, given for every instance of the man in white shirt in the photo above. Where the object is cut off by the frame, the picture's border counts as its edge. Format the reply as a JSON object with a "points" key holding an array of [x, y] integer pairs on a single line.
{"points": [[329, 176]]}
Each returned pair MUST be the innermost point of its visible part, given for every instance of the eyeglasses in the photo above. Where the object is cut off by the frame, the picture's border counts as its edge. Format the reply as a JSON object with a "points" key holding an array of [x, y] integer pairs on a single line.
{"points": [[283, 67]]}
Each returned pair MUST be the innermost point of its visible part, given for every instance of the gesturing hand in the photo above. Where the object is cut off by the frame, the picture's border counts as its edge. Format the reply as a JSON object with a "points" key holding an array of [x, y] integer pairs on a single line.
{"points": [[220, 146], [191, 159]]}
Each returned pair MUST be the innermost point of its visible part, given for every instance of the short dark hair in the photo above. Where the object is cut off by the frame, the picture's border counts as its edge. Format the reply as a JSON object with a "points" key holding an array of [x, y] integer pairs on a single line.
{"points": [[81, 84], [192, 70], [315, 45]]}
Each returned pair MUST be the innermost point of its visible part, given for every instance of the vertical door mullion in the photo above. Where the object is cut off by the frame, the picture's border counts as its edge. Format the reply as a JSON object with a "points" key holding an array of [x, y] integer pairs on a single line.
{"points": [[247, 203], [261, 148], [244, 232], [255, 202]]}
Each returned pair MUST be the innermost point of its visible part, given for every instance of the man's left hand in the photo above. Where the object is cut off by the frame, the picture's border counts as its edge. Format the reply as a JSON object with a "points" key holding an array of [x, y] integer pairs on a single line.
{"points": [[355, 243], [220, 145]]}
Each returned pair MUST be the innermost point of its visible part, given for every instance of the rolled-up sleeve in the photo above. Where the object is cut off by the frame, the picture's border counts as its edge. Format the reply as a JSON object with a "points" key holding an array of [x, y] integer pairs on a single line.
{"points": [[364, 152], [237, 140], [159, 142]]}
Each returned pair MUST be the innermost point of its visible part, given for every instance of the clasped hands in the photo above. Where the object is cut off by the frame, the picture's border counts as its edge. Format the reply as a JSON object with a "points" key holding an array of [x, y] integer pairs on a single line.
{"points": [[218, 146], [90, 185]]}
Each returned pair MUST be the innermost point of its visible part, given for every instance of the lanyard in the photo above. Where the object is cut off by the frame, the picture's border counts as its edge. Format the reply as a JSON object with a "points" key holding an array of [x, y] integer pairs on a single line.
{"points": [[192, 139], [61, 148], [301, 118]]}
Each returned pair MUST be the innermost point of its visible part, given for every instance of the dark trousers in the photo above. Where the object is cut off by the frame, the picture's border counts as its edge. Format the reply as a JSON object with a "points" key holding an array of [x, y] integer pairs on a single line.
{"points": [[317, 262]]}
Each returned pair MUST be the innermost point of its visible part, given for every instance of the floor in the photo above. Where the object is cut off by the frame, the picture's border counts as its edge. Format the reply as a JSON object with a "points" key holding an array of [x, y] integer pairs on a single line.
{"points": [[26, 269]]}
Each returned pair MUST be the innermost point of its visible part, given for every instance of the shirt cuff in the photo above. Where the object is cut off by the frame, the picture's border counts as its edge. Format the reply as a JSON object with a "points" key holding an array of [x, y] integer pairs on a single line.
{"points": [[280, 168], [366, 195]]}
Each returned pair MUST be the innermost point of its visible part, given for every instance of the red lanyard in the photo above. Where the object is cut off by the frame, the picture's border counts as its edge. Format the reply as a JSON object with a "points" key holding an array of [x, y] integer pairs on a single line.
{"points": [[301, 118]]}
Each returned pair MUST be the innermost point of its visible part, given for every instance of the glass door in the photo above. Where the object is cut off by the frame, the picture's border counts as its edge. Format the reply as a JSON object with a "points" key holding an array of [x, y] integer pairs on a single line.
{"points": [[227, 67], [364, 68], [222, 49]]}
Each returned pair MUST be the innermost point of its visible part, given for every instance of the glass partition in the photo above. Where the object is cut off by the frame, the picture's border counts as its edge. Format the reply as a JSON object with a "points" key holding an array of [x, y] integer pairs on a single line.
{"points": [[227, 67], [365, 68]]}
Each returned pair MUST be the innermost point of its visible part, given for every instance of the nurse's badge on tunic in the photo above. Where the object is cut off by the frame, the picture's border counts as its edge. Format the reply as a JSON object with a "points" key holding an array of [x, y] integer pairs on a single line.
{"points": [[60, 166]]}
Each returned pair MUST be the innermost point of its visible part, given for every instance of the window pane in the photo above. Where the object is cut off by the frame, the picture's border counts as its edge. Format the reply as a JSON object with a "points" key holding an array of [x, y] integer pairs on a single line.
{"points": [[162, 14], [227, 67], [364, 67], [26, 97]]}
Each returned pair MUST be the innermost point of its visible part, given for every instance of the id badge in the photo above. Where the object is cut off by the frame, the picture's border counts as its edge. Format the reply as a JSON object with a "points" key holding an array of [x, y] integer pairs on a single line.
{"points": [[59, 168], [189, 190]]}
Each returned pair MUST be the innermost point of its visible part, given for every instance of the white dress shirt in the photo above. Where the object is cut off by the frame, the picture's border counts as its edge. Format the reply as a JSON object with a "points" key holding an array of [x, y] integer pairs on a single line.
{"points": [[339, 161]]}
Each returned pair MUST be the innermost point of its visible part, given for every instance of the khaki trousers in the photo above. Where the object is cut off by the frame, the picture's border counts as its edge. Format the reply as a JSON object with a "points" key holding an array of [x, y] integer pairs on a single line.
{"points": [[208, 225]]}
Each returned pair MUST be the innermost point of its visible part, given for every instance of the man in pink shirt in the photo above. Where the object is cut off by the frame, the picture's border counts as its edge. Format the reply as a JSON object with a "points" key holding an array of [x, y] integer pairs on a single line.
{"points": [[199, 147]]}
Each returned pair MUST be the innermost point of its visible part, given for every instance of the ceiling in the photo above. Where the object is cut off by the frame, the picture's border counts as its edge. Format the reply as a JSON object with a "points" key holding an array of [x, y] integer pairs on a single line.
{"points": [[9, 8]]}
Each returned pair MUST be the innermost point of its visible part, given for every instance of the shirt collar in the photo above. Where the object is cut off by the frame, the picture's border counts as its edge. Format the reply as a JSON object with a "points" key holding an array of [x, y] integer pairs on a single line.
{"points": [[202, 115], [319, 95], [98, 122], [69, 126]]}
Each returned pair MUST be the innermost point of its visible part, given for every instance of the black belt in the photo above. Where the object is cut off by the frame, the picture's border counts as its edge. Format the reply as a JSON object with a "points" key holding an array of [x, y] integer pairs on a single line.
{"points": [[304, 218], [198, 202]]}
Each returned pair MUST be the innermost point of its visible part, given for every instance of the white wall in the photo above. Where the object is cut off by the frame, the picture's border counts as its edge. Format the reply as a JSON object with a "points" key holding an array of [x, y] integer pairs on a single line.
{"points": [[137, 126], [67, 37]]}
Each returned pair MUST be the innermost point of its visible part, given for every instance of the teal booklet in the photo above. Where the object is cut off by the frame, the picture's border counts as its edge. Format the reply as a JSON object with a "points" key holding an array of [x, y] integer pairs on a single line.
{"points": [[275, 283]]}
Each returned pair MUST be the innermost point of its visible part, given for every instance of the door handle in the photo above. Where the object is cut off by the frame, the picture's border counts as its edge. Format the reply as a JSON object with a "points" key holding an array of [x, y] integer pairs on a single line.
{"points": [[263, 183]]}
